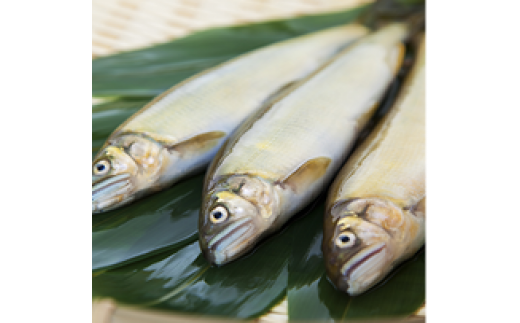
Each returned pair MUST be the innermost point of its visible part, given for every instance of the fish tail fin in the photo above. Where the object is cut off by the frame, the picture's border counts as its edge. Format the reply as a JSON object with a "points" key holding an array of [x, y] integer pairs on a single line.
{"points": [[384, 12]]}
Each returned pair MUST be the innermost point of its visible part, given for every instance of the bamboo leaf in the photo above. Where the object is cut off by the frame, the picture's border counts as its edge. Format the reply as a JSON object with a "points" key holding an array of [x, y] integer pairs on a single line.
{"points": [[146, 281], [183, 281], [150, 71], [147, 227]]}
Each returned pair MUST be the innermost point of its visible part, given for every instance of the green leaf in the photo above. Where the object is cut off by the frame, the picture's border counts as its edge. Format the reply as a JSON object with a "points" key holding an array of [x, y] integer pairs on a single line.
{"points": [[183, 281], [149, 280], [312, 297], [149, 226], [244, 288], [150, 71]]}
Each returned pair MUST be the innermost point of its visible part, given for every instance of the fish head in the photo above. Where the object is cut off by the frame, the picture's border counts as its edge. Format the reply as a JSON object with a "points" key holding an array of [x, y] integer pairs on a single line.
{"points": [[235, 215], [359, 250], [125, 168]]}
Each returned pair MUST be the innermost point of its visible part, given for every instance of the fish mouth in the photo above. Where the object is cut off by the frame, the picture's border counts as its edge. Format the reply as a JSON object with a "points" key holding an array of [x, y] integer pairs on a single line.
{"points": [[359, 273], [110, 192], [231, 242]]}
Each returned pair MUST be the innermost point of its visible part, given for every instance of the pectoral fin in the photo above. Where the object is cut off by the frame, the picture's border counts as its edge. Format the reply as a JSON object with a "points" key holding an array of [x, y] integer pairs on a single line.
{"points": [[200, 143], [306, 174]]}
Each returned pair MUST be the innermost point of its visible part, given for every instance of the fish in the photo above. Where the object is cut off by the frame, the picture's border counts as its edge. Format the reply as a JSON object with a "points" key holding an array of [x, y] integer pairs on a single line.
{"points": [[179, 132], [283, 156], [376, 206]]}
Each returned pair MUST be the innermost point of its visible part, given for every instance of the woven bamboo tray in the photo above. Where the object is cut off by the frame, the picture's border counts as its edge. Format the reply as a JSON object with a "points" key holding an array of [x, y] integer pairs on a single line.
{"points": [[122, 25]]}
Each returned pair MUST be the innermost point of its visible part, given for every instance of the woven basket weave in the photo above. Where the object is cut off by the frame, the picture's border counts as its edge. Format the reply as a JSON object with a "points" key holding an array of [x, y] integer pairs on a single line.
{"points": [[122, 25]]}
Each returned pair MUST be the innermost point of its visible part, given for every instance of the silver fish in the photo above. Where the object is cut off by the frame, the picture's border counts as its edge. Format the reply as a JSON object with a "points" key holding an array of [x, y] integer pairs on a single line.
{"points": [[282, 158], [179, 132], [375, 216]]}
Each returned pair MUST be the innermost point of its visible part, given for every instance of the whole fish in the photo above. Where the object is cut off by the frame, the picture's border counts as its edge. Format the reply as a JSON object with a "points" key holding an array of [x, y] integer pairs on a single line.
{"points": [[280, 159], [179, 132], [375, 216]]}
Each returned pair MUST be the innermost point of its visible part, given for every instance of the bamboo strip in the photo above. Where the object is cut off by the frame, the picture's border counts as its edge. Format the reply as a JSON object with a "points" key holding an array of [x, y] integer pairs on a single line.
{"points": [[105, 311], [120, 25]]}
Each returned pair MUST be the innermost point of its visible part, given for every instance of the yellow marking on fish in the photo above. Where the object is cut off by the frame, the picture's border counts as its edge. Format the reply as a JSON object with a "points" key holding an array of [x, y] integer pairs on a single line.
{"points": [[413, 229], [225, 195], [343, 224], [263, 145], [350, 213]]}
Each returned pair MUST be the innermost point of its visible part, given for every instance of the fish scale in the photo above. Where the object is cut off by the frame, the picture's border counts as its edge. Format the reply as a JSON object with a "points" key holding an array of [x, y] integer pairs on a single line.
{"points": [[291, 132], [281, 159], [224, 96], [376, 208], [392, 163]]}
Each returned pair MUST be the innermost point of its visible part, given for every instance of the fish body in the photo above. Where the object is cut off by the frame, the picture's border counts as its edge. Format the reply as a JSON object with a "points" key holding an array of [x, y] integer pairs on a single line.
{"points": [[179, 132], [281, 159], [375, 211]]}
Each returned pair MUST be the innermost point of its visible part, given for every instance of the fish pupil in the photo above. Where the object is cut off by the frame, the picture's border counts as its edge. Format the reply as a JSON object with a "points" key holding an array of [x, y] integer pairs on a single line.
{"points": [[345, 239], [100, 167], [217, 215]]}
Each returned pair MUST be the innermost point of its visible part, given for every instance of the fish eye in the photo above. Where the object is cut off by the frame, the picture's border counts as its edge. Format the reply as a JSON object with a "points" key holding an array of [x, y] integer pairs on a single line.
{"points": [[345, 239], [101, 167], [218, 214]]}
